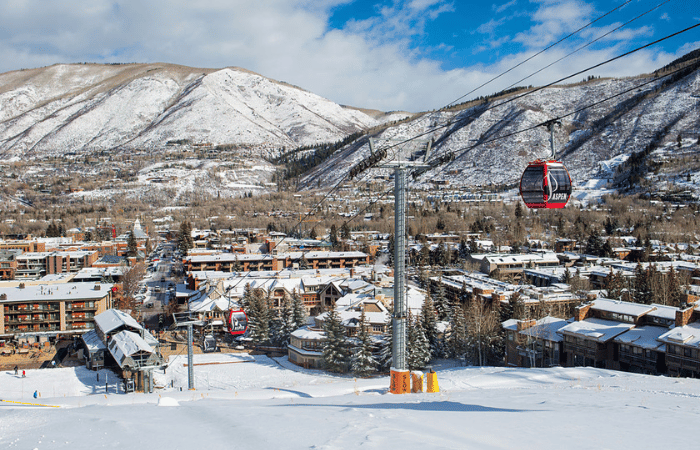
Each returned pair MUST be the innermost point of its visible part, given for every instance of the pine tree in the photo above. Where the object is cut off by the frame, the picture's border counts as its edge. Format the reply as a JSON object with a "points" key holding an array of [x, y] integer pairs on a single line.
{"points": [[335, 348], [132, 246], [442, 304], [385, 358], [457, 337], [417, 346], [333, 237], [184, 240], [641, 285], [463, 251], [285, 323], [345, 231], [594, 244], [245, 301], [614, 284], [258, 318], [298, 310], [428, 320], [363, 363], [675, 291]]}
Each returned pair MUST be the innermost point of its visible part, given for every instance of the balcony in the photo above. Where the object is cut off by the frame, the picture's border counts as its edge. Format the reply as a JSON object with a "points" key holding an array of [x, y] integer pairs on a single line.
{"points": [[14, 320], [683, 362]]}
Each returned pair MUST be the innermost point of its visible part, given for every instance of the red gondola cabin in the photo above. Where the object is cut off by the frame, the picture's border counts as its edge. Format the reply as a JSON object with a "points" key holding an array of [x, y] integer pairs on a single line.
{"points": [[237, 322], [545, 184]]}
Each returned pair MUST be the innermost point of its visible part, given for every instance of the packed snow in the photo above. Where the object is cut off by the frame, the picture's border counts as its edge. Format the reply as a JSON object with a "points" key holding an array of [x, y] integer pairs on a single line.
{"points": [[244, 401]]}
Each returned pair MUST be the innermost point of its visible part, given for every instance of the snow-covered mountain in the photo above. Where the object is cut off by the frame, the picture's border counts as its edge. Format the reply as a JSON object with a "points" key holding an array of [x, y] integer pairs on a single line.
{"points": [[91, 108], [603, 120]]}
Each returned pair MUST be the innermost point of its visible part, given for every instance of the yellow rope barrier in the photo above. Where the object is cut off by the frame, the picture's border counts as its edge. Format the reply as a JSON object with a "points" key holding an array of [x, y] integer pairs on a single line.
{"points": [[30, 404]]}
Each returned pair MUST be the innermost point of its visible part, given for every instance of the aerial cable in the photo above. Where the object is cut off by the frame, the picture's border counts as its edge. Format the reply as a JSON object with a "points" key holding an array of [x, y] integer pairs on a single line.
{"points": [[539, 53], [531, 91], [454, 121], [562, 116], [588, 44]]}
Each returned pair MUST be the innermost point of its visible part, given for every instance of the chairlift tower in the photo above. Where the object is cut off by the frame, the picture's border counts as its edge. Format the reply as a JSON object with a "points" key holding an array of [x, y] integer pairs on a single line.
{"points": [[400, 375], [187, 318]]}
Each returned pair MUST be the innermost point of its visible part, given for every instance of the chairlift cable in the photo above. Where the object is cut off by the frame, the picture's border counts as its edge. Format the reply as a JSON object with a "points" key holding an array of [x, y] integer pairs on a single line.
{"points": [[588, 44], [539, 53]]}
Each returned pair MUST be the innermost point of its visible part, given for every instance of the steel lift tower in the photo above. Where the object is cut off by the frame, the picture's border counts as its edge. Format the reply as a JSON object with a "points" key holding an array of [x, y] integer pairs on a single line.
{"points": [[400, 375]]}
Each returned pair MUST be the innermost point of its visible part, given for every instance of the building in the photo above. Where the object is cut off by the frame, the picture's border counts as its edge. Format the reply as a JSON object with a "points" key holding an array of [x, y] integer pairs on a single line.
{"points": [[534, 343], [233, 262], [32, 266], [8, 263], [119, 341], [52, 309], [513, 265], [589, 340], [683, 344], [306, 346]]}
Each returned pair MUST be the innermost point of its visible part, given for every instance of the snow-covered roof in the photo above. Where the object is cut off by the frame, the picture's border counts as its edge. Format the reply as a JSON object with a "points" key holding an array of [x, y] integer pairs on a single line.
{"points": [[113, 319], [663, 311], [126, 344], [686, 335], [546, 328], [66, 291], [202, 303], [620, 307], [92, 341], [510, 324], [599, 330], [309, 334], [645, 337]]}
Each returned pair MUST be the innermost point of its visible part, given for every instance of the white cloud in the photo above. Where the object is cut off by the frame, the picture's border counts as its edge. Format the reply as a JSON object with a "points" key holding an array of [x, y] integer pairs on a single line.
{"points": [[503, 7], [553, 20], [371, 63]]}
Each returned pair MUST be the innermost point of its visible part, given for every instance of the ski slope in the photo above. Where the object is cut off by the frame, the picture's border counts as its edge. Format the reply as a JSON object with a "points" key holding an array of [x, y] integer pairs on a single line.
{"points": [[246, 402]]}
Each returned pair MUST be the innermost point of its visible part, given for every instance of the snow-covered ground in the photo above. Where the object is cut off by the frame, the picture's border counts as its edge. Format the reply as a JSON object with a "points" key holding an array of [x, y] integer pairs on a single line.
{"points": [[256, 402]]}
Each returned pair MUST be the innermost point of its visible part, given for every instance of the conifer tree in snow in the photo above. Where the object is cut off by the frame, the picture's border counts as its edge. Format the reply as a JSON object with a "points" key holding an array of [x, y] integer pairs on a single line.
{"points": [[363, 363], [335, 348], [673, 288], [385, 351], [428, 320], [285, 323], [642, 285], [442, 304], [258, 318], [246, 299], [457, 337], [417, 346], [298, 310]]}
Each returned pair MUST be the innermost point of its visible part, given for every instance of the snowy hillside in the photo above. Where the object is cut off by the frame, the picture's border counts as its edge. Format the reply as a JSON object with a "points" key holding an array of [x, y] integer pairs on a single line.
{"points": [[256, 402], [490, 147], [92, 108]]}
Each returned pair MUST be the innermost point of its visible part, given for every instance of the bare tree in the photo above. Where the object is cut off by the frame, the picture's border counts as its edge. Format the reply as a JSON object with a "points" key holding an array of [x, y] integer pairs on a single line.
{"points": [[130, 285]]}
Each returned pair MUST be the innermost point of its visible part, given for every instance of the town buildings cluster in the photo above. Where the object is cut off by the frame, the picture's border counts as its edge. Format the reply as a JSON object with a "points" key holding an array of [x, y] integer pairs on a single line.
{"points": [[558, 305]]}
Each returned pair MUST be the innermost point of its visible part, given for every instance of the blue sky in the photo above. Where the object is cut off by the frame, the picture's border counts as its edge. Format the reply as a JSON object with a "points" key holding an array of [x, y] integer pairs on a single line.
{"points": [[389, 55]]}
